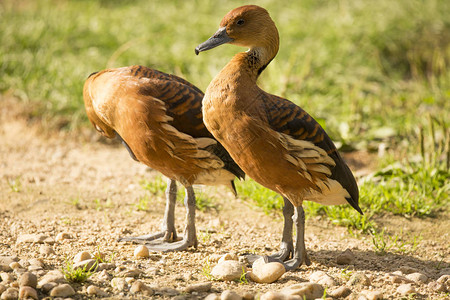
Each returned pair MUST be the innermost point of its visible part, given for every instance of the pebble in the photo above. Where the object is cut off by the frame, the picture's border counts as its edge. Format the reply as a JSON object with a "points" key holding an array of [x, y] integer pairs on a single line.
{"points": [[340, 292], [2, 288], [6, 260], [140, 287], [266, 272], [88, 265], [47, 287], [359, 279], [199, 287], [28, 279], [46, 250], [119, 283], [5, 268], [406, 289], [417, 277], [278, 296], [141, 251], [445, 280], [408, 270], [228, 270], [322, 278], [372, 295], [95, 290], [80, 256], [230, 295], [63, 290], [246, 295], [63, 236], [52, 276], [398, 278], [228, 256], [26, 292], [34, 238], [105, 266], [345, 258], [133, 272], [10, 294], [437, 287], [6, 277], [212, 296], [15, 265], [305, 290]]}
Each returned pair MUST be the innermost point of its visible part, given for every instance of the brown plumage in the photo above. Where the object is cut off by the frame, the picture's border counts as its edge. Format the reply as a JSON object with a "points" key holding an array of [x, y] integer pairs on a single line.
{"points": [[273, 140], [158, 117]]}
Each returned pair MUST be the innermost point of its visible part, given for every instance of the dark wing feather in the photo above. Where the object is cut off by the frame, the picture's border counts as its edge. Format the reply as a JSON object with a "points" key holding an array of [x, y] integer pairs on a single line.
{"points": [[288, 118]]}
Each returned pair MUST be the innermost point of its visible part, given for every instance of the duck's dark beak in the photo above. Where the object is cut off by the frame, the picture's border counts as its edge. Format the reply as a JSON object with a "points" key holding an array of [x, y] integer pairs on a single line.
{"points": [[219, 38]]}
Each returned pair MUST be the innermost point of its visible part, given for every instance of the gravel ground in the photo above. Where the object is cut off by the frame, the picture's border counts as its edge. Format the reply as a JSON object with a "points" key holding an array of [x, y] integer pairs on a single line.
{"points": [[65, 194]]}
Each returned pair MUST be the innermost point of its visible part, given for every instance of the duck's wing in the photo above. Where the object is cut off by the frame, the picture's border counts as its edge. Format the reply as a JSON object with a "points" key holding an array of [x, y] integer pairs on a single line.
{"points": [[287, 118]]}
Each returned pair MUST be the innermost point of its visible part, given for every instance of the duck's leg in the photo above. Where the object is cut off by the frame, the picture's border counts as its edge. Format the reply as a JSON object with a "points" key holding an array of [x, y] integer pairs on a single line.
{"points": [[300, 255], [287, 245], [190, 236], [168, 232]]}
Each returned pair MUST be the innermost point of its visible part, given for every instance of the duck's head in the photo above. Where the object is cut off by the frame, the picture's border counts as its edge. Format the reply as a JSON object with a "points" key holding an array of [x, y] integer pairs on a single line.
{"points": [[247, 26]]}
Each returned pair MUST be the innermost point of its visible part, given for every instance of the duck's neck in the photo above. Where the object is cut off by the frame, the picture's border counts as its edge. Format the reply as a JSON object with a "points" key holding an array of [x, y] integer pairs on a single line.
{"points": [[253, 61]]}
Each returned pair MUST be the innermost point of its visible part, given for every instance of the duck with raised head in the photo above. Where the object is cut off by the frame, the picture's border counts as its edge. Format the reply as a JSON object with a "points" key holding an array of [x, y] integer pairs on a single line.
{"points": [[273, 140], [158, 118]]}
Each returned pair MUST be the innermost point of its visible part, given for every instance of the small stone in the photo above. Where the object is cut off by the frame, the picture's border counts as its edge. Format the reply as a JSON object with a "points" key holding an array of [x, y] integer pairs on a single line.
{"points": [[95, 290], [26, 292], [228, 256], [199, 287], [5, 268], [84, 255], [10, 294], [2, 288], [340, 292], [46, 250], [322, 278], [246, 295], [130, 273], [52, 276], [141, 252], [63, 290], [359, 279], [169, 291], [230, 295], [445, 280], [408, 270], [436, 286], [372, 295], [119, 284], [305, 290], [63, 236], [140, 287], [267, 272], [36, 262], [277, 296], [88, 265], [28, 279], [34, 238], [15, 265], [229, 270], [212, 296], [6, 277], [47, 287], [105, 266], [6, 260], [406, 289], [345, 258], [417, 277], [398, 278]]}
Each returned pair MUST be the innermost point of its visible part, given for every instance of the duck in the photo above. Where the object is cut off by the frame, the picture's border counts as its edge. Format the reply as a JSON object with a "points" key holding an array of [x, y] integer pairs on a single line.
{"points": [[158, 118], [273, 140]]}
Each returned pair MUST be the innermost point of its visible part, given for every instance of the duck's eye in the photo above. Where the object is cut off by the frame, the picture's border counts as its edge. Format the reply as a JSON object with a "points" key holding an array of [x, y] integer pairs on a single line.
{"points": [[240, 22]]}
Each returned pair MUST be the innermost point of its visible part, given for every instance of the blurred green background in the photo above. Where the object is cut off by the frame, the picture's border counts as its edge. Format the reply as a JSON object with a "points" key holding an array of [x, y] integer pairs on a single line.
{"points": [[371, 72]]}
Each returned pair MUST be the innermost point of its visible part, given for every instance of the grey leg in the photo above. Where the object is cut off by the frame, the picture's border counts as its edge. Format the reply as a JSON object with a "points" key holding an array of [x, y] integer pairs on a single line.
{"points": [[287, 245], [168, 232], [190, 236], [300, 255]]}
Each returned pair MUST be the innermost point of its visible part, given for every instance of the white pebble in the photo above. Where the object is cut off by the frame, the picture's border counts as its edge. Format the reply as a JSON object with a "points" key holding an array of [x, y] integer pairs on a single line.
{"points": [[267, 272], [63, 236], [141, 251], [95, 290], [230, 295], [322, 278], [417, 277], [229, 270], [80, 256], [26, 292], [405, 289], [63, 290], [228, 256], [305, 289], [46, 250], [372, 295]]}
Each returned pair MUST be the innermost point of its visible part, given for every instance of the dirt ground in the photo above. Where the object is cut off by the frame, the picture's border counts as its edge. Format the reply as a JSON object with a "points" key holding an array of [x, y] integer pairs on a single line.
{"points": [[52, 182]]}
